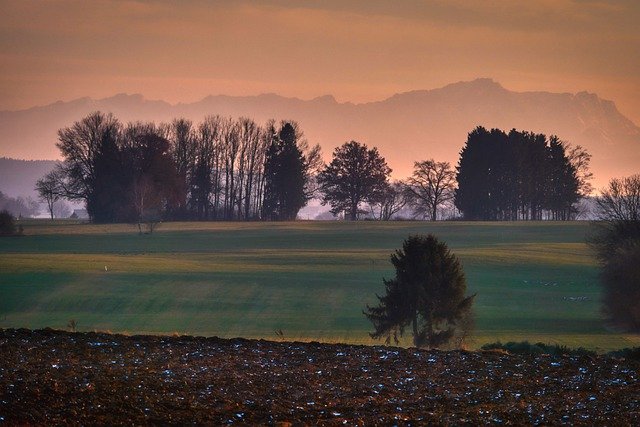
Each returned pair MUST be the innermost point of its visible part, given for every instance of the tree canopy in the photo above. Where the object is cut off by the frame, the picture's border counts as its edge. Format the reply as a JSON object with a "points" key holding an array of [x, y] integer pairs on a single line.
{"points": [[355, 175], [519, 175], [285, 171], [427, 294]]}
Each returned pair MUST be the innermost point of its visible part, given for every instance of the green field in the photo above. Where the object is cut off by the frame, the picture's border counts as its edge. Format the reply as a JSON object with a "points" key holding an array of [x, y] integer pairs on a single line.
{"points": [[535, 281]]}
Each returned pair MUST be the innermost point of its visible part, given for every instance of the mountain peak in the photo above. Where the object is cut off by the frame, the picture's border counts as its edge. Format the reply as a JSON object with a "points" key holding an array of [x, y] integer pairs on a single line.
{"points": [[328, 99], [125, 97], [483, 84]]}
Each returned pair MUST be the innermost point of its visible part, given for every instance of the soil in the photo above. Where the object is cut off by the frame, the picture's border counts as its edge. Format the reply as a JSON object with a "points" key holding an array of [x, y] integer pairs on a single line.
{"points": [[55, 377]]}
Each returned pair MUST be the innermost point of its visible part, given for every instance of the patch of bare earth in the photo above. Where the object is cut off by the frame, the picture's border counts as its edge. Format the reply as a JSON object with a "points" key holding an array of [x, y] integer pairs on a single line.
{"points": [[53, 377]]}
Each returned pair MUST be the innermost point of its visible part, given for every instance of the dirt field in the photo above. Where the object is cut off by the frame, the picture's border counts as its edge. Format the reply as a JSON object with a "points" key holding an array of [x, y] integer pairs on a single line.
{"points": [[51, 377]]}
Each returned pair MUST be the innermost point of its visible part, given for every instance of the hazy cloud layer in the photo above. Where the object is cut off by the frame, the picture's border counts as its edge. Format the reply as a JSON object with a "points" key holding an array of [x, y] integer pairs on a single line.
{"points": [[356, 50]]}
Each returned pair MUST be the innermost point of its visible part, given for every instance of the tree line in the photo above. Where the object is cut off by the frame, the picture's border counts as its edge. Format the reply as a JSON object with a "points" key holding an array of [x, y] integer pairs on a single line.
{"points": [[218, 169], [520, 176], [228, 169]]}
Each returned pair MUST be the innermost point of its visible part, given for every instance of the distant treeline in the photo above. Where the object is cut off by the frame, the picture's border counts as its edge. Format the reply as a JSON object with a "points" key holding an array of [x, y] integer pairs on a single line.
{"points": [[227, 169], [18, 206]]}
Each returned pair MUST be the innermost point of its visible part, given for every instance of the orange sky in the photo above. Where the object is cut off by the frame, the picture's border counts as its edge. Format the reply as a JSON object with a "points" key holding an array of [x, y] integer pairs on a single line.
{"points": [[357, 51]]}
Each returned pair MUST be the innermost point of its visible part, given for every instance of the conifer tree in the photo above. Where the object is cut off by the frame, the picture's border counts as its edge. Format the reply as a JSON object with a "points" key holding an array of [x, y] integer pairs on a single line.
{"points": [[427, 294]]}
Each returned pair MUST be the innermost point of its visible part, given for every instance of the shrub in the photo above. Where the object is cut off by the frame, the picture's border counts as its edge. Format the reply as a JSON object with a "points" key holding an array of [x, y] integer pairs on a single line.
{"points": [[524, 347], [7, 224]]}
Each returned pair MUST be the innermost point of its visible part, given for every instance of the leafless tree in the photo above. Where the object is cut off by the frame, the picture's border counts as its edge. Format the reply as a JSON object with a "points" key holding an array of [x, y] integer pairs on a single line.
{"points": [[181, 135], [580, 160], [50, 189], [620, 201], [61, 209], [393, 199], [80, 146], [431, 185]]}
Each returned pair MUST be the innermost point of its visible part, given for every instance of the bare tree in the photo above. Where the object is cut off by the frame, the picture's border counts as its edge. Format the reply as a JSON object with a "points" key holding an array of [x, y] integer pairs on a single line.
{"points": [[50, 188], [181, 134], [431, 185], [82, 146], [580, 160], [620, 201], [61, 209], [392, 200]]}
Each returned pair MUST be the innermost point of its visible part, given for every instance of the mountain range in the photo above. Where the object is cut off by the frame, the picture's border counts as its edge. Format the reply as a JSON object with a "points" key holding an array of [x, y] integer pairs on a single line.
{"points": [[406, 127]]}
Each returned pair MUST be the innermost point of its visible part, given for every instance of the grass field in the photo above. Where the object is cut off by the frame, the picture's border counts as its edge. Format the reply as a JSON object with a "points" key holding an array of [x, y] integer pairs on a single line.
{"points": [[535, 281]]}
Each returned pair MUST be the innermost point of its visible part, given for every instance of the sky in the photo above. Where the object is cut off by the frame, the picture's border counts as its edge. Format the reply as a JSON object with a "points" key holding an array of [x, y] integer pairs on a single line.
{"points": [[358, 51]]}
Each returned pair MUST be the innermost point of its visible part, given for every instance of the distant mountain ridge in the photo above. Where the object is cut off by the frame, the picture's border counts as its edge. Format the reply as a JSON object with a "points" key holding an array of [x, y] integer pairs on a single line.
{"points": [[406, 127]]}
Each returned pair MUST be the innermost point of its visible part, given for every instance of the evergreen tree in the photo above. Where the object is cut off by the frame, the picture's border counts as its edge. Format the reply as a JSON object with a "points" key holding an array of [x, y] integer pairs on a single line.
{"points": [[476, 173], [521, 175], [285, 177], [107, 195], [427, 294], [563, 185]]}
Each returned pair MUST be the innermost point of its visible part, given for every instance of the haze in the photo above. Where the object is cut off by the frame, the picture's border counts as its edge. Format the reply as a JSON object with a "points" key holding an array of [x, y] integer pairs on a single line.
{"points": [[181, 51]]}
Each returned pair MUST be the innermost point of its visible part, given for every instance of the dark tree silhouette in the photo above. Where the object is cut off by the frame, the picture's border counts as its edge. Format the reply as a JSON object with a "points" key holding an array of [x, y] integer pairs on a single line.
{"points": [[285, 173], [181, 134], [476, 174], [519, 176], [355, 175], [154, 185], [81, 146], [109, 185], [393, 200], [621, 279], [427, 294], [563, 184], [7, 224], [616, 242], [620, 201], [214, 170], [580, 160], [431, 186], [49, 189]]}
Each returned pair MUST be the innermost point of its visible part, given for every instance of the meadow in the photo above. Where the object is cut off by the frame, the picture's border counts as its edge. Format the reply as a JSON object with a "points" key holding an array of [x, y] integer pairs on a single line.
{"points": [[534, 281]]}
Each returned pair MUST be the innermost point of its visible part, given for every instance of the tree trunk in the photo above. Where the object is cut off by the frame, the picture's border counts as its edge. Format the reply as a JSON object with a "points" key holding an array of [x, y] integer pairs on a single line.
{"points": [[414, 326], [354, 212]]}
